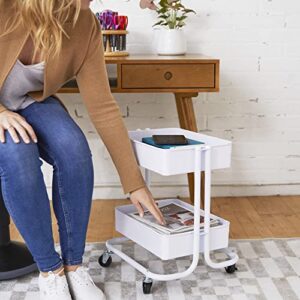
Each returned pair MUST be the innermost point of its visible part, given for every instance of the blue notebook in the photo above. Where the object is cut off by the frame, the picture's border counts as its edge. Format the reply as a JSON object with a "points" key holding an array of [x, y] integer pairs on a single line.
{"points": [[149, 140]]}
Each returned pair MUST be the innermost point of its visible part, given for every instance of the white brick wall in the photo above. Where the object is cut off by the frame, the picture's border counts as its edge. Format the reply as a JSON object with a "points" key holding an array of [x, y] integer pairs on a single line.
{"points": [[257, 107]]}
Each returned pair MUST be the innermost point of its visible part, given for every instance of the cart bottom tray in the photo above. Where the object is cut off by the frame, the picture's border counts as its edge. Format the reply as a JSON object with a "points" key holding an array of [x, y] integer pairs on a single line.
{"points": [[167, 246]]}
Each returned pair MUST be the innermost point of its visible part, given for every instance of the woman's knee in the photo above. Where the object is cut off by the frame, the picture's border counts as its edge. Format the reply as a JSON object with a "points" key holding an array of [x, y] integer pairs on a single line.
{"points": [[76, 142], [69, 149], [19, 158]]}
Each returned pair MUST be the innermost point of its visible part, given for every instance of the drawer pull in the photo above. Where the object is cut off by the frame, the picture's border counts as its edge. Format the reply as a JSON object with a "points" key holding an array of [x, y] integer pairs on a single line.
{"points": [[168, 75]]}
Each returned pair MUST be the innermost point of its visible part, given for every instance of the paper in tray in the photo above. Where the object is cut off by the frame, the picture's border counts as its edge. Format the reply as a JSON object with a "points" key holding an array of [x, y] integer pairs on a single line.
{"points": [[168, 246], [178, 219]]}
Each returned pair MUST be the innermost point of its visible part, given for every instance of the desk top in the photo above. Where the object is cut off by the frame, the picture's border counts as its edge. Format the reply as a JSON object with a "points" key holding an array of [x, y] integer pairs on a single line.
{"points": [[152, 57]]}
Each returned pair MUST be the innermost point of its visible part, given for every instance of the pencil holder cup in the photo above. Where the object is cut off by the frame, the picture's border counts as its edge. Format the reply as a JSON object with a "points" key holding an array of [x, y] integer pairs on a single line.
{"points": [[114, 42]]}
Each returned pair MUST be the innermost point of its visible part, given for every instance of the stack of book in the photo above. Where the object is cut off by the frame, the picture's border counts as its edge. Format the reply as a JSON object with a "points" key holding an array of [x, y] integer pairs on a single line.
{"points": [[178, 219]]}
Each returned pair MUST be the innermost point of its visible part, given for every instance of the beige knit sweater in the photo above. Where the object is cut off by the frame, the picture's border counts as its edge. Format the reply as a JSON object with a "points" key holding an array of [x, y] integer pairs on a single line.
{"points": [[82, 57]]}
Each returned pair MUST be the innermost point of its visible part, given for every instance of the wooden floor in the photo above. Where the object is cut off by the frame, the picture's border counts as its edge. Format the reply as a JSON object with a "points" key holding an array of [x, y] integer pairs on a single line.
{"points": [[250, 217]]}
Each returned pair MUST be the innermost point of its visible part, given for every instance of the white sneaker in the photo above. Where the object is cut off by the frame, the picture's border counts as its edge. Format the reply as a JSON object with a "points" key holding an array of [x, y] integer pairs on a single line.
{"points": [[54, 286], [82, 286]]}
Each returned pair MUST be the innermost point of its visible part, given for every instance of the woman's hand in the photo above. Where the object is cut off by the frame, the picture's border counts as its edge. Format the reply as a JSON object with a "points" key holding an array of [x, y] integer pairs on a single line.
{"points": [[147, 4], [143, 196], [14, 123]]}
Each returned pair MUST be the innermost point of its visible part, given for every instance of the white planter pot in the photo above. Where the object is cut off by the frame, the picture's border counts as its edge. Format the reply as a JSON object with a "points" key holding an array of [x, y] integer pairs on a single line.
{"points": [[170, 41]]}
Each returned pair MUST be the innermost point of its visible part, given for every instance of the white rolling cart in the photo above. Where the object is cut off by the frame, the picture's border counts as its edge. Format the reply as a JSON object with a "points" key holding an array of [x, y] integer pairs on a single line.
{"points": [[215, 153]]}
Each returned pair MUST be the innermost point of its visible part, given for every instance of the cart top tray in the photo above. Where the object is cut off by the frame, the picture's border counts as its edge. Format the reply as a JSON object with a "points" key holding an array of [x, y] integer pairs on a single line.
{"points": [[178, 159], [137, 135]]}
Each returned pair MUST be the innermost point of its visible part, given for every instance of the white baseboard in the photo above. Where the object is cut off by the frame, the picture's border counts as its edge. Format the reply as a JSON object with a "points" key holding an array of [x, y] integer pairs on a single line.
{"points": [[116, 192]]}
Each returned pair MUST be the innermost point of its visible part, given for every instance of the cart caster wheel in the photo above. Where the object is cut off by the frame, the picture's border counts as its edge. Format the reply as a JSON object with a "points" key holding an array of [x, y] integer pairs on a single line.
{"points": [[147, 284], [105, 260], [231, 269]]}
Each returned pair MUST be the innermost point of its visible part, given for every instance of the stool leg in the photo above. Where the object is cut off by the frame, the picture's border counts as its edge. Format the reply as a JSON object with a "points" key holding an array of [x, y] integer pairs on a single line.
{"points": [[15, 258]]}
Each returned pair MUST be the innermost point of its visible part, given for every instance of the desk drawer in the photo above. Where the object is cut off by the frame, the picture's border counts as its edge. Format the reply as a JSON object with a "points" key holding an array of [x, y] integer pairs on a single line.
{"points": [[168, 75]]}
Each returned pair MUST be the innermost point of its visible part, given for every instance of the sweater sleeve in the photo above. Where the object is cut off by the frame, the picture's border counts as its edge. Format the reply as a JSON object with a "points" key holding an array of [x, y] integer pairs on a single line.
{"points": [[93, 84]]}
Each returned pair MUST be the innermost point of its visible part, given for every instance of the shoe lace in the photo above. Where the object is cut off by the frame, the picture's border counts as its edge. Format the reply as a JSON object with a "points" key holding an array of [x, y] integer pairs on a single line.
{"points": [[83, 273], [53, 282]]}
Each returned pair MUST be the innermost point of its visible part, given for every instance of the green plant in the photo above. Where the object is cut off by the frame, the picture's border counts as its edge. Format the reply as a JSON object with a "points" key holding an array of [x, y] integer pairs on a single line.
{"points": [[172, 13]]}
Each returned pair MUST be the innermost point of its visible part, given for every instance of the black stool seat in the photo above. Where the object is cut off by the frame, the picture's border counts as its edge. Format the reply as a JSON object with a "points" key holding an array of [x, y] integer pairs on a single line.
{"points": [[15, 258]]}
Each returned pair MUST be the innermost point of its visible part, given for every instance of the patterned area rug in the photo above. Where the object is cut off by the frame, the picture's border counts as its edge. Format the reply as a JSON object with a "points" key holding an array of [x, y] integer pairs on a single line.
{"points": [[267, 269]]}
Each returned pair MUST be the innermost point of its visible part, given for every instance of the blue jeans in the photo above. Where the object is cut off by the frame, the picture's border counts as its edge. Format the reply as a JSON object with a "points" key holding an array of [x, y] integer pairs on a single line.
{"points": [[62, 144]]}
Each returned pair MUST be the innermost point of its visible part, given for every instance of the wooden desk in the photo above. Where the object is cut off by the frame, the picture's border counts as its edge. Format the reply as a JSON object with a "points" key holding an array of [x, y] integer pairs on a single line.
{"points": [[185, 76]]}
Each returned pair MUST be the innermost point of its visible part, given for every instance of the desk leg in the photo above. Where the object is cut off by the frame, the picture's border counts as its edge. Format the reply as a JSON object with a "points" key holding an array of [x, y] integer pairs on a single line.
{"points": [[187, 120]]}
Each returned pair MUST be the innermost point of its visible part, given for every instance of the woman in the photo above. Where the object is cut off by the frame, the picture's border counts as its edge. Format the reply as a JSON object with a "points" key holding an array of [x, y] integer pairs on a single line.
{"points": [[43, 44]]}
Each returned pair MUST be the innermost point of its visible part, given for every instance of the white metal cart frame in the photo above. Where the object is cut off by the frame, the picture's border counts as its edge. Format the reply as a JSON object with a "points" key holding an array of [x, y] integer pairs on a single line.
{"points": [[105, 259]]}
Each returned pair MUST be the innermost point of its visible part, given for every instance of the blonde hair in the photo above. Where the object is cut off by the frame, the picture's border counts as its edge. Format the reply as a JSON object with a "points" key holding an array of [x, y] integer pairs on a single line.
{"points": [[45, 19]]}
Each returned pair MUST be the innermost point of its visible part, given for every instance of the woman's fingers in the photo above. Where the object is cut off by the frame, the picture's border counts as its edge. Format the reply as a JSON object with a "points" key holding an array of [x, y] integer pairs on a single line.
{"points": [[29, 129], [154, 204], [21, 131], [2, 136], [143, 196], [13, 134], [15, 123], [139, 209], [159, 211], [152, 208]]}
